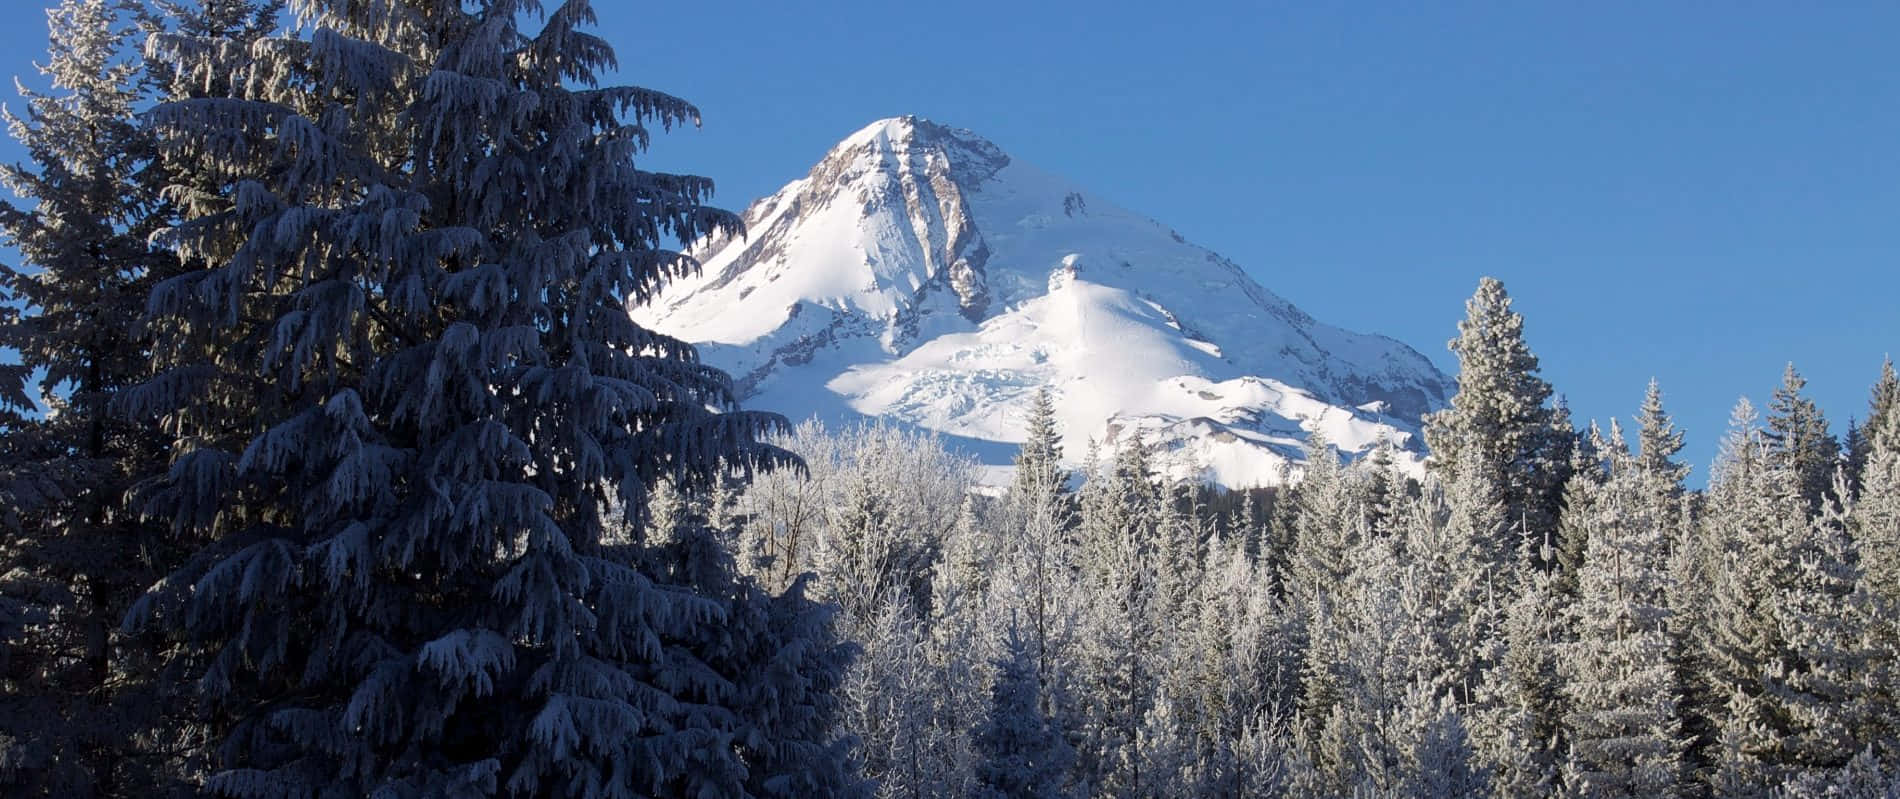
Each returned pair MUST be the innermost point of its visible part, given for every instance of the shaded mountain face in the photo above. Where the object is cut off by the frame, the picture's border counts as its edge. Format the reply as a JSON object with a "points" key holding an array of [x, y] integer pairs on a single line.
{"points": [[920, 274]]}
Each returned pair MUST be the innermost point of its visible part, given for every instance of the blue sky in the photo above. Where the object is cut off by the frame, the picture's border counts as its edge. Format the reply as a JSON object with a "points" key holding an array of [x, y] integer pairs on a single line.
{"points": [[1695, 192]]}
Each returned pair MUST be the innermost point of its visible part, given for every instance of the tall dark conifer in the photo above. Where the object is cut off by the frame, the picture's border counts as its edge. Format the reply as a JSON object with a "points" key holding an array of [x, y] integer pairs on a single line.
{"points": [[415, 228], [73, 697]]}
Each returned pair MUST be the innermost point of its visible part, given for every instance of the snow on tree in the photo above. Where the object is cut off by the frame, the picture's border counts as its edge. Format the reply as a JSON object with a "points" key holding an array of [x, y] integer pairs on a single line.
{"points": [[1039, 461], [1500, 424], [1120, 638], [1453, 588], [1779, 640], [1351, 693], [1437, 758], [880, 520], [1875, 526], [1386, 488], [1038, 562], [1624, 724], [77, 698], [1881, 406], [1658, 443], [1516, 725], [871, 514], [1798, 439], [414, 232], [1328, 526], [1024, 753]]}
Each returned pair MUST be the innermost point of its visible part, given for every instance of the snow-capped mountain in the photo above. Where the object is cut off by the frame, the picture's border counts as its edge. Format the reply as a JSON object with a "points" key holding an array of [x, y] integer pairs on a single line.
{"points": [[921, 274]]}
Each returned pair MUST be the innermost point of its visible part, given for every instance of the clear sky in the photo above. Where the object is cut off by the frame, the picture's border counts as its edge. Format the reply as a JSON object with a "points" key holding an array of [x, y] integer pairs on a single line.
{"points": [[1697, 192]]}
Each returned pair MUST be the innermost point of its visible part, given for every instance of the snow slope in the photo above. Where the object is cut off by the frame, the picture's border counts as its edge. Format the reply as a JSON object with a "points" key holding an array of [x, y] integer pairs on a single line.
{"points": [[919, 273]]}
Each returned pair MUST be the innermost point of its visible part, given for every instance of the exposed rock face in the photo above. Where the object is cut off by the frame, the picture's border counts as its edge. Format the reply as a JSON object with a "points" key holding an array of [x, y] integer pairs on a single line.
{"points": [[919, 273]]}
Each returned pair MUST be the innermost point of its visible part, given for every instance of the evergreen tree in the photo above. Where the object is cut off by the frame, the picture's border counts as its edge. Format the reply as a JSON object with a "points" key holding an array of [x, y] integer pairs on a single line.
{"points": [[1329, 524], [1025, 755], [1517, 730], [1439, 760], [1588, 472], [1040, 563], [1120, 639], [1659, 442], [1039, 461], [1500, 424], [1779, 641], [415, 231], [78, 703], [1875, 524], [1386, 488], [1881, 406], [1352, 693], [1624, 725], [1454, 586], [1799, 441]]}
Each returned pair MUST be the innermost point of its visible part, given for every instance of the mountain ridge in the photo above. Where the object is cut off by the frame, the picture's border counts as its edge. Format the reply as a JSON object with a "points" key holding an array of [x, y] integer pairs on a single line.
{"points": [[918, 272]]}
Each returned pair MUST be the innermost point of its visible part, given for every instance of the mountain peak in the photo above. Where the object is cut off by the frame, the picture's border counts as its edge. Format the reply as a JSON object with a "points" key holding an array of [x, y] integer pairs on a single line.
{"points": [[903, 129], [912, 145], [919, 273]]}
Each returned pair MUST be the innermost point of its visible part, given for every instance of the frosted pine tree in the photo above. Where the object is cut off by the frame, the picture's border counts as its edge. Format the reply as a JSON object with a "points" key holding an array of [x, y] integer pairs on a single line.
{"points": [[1121, 628], [1875, 525], [1179, 541], [1369, 637], [1881, 406], [1039, 461], [1624, 725], [889, 502], [1516, 724], [1780, 639], [1040, 564], [1386, 488], [1799, 441], [1588, 473], [1328, 525], [1025, 755], [413, 277], [1436, 759], [1500, 424], [1658, 443], [1453, 589], [74, 696]]}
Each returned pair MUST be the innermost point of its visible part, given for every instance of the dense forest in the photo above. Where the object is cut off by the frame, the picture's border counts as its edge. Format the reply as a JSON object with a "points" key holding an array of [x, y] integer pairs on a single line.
{"points": [[331, 465]]}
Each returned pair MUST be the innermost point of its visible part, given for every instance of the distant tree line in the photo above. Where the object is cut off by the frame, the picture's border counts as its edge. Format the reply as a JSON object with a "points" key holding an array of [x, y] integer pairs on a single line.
{"points": [[1549, 611]]}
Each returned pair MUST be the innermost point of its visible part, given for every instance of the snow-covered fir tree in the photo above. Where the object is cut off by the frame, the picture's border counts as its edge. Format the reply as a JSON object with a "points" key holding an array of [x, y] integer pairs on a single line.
{"points": [[414, 230], [1120, 636], [1623, 723], [1328, 526], [1039, 460], [1779, 636], [1038, 560], [1798, 440], [1516, 726], [1500, 423], [1024, 753], [79, 701], [1883, 403]]}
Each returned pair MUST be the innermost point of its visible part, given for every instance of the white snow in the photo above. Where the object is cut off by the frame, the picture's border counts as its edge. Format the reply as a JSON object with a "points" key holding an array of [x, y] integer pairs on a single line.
{"points": [[850, 312]]}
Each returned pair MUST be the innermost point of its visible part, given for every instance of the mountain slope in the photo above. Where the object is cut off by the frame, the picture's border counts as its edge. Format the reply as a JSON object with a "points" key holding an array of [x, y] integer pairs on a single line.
{"points": [[921, 274]]}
